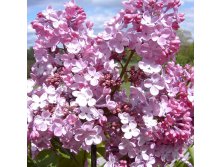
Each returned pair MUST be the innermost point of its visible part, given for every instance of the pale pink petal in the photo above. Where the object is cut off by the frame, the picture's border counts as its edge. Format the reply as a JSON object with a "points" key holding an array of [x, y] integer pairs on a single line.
{"points": [[148, 165], [154, 37], [146, 18], [38, 120], [81, 101], [58, 131], [45, 114], [190, 98], [161, 41], [87, 77], [124, 121], [119, 48], [35, 98], [97, 75], [98, 129], [119, 37], [145, 156], [125, 42], [58, 122], [132, 124], [135, 132], [76, 93], [97, 139], [89, 117], [165, 35], [82, 115], [52, 99], [94, 82], [79, 64], [79, 137], [128, 135], [92, 71], [156, 68], [155, 77], [75, 69], [152, 160], [125, 128], [141, 65], [43, 97], [92, 102], [148, 83], [121, 146], [89, 140], [87, 92], [42, 127], [56, 24], [34, 106], [111, 105], [42, 104], [159, 86], [51, 90], [154, 91], [73, 48], [94, 112]]}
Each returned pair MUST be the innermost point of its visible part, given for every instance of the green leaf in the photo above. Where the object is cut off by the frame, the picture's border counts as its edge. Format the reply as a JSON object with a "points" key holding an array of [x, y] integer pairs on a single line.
{"points": [[101, 151], [75, 160], [126, 86], [126, 77], [58, 147], [31, 162], [191, 151], [65, 162], [47, 158], [80, 157], [180, 164]]}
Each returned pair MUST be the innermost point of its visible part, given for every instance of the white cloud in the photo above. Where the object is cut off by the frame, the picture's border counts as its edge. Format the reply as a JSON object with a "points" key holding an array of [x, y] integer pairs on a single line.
{"points": [[31, 41], [187, 1], [107, 3], [189, 12], [60, 3], [188, 23], [45, 3], [99, 19], [31, 37], [30, 29]]}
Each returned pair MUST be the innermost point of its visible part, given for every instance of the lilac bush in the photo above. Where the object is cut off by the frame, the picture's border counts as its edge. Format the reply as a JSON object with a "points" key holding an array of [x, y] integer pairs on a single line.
{"points": [[76, 92]]}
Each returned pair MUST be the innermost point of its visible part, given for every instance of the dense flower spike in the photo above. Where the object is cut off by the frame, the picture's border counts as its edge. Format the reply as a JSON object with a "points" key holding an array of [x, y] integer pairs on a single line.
{"points": [[76, 92]]}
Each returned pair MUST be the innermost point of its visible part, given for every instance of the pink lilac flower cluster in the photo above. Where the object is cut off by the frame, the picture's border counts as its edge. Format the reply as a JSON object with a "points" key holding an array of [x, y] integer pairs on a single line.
{"points": [[76, 95]]}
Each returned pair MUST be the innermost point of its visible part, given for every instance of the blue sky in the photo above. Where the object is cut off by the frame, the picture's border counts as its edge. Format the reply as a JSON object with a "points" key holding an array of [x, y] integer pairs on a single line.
{"points": [[98, 11]]}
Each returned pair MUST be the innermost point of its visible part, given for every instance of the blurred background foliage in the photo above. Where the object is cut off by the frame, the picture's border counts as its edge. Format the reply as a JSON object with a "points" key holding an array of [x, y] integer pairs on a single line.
{"points": [[186, 52], [30, 60]]}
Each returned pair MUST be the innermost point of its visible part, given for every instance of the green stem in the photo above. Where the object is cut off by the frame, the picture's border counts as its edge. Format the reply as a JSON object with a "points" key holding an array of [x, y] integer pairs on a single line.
{"points": [[124, 69]]}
